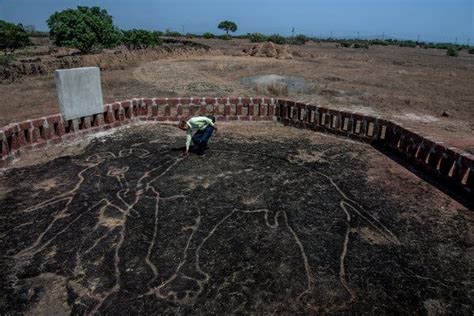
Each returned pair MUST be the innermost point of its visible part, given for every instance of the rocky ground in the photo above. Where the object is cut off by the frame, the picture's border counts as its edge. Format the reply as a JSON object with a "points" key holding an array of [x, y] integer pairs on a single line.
{"points": [[272, 220]]}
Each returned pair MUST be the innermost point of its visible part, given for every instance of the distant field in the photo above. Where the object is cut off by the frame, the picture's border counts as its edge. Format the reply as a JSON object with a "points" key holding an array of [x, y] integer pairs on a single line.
{"points": [[411, 85]]}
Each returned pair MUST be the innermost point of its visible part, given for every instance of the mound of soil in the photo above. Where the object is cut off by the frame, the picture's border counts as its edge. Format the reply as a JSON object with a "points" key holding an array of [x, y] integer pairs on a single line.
{"points": [[270, 50]]}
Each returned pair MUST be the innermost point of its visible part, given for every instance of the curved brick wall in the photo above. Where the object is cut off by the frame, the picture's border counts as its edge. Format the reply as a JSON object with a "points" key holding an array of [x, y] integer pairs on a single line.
{"points": [[452, 166]]}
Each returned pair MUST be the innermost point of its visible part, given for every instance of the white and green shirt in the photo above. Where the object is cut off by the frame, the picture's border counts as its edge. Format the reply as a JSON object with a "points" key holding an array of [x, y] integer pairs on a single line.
{"points": [[197, 123]]}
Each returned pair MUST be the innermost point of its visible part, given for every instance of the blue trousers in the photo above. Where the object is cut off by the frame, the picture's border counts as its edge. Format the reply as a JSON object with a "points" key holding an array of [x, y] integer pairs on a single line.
{"points": [[201, 138]]}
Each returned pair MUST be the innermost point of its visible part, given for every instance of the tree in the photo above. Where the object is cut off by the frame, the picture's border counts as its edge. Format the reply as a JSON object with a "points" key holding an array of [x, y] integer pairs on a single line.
{"points": [[12, 36], [227, 26], [140, 39], [83, 28]]}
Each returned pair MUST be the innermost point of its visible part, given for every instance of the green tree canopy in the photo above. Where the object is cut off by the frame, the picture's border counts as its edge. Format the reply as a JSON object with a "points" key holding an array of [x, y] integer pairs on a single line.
{"points": [[12, 36], [83, 28], [227, 26], [140, 39]]}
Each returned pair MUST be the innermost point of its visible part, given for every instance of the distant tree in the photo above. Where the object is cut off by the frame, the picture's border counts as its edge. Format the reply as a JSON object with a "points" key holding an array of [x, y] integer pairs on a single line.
{"points": [[140, 39], [12, 36], [227, 26], [83, 28]]}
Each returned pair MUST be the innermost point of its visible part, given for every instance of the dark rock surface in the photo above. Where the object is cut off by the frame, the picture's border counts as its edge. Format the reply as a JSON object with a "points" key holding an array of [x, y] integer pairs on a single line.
{"points": [[129, 227]]}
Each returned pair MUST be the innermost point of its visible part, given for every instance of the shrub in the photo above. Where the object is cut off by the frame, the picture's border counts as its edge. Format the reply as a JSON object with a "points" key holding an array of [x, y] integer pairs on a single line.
{"points": [[227, 26], [225, 37], [257, 38], [12, 36], [379, 42], [298, 40], [277, 39], [140, 39], [83, 28], [361, 45], [471, 51], [208, 35], [190, 35], [453, 52], [407, 44], [345, 44]]}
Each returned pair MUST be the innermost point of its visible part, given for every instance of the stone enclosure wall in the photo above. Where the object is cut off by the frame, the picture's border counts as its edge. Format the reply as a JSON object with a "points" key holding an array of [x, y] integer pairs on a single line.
{"points": [[450, 166]]}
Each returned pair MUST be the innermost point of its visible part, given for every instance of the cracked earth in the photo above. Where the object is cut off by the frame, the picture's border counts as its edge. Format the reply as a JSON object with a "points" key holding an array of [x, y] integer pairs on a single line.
{"points": [[272, 220]]}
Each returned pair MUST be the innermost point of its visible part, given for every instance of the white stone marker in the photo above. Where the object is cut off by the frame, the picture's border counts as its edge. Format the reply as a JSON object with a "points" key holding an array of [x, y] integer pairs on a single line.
{"points": [[79, 91]]}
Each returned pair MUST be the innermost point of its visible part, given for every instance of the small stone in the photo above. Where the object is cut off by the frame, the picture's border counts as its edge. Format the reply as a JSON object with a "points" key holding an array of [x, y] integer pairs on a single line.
{"points": [[445, 114]]}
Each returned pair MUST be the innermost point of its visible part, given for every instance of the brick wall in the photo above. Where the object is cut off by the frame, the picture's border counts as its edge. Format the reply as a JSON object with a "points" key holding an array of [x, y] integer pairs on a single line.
{"points": [[53, 129], [452, 166], [449, 165]]}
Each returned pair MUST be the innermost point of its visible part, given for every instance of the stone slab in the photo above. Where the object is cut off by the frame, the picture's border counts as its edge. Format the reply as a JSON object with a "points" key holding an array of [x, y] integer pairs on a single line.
{"points": [[79, 92]]}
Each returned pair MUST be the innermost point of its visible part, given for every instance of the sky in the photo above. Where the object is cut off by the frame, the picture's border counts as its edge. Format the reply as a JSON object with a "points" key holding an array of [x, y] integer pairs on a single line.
{"points": [[431, 20]]}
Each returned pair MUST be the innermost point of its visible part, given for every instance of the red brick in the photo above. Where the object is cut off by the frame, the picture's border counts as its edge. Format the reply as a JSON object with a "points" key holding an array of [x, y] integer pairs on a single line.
{"points": [[209, 100], [245, 100], [160, 101], [126, 104], [227, 110], [435, 155], [234, 100], [271, 110], [38, 122], [25, 125], [173, 101], [251, 109], [185, 101], [196, 101]]}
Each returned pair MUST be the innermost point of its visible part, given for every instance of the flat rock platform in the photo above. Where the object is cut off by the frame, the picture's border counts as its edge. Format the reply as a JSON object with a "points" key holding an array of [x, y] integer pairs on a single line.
{"points": [[272, 220]]}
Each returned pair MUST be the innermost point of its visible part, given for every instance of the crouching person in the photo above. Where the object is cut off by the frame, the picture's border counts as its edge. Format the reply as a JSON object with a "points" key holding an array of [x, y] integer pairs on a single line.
{"points": [[202, 127]]}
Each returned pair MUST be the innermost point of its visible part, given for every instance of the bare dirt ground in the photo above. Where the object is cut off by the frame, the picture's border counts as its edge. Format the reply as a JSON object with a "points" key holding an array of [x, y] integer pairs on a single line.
{"points": [[412, 86], [273, 220]]}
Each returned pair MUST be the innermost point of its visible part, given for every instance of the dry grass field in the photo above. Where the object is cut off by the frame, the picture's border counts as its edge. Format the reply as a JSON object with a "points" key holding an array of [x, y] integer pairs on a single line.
{"points": [[412, 86]]}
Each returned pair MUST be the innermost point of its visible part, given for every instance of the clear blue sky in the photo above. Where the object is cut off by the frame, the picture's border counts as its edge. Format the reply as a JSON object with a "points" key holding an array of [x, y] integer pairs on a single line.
{"points": [[438, 20]]}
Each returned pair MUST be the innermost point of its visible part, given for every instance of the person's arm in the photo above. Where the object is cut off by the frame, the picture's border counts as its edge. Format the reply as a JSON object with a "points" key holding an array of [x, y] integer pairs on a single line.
{"points": [[189, 136]]}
